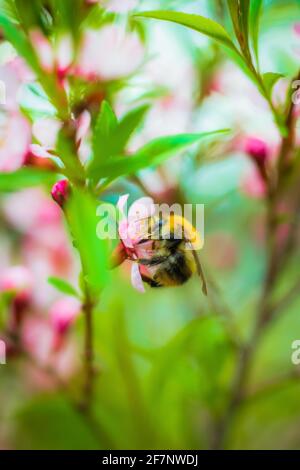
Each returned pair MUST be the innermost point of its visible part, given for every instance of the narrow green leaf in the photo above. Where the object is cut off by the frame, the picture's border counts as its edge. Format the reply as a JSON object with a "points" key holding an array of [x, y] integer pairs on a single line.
{"points": [[255, 12], [199, 23], [127, 126], [239, 11], [105, 125], [25, 178], [82, 218], [270, 79], [63, 286], [153, 153]]}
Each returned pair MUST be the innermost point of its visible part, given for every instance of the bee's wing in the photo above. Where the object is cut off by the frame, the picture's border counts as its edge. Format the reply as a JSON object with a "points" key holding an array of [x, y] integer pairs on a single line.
{"points": [[199, 268]]}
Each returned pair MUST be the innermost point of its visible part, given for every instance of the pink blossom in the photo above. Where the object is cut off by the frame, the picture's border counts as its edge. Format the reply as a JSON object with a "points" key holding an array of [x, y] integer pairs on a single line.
{"points": [[17, 279], [29, 210], [131, 231], [56, 57], [13, 150], [38, 339], [63, 313], [46, 249], [83, 123], [109, 53], [43, 49]]}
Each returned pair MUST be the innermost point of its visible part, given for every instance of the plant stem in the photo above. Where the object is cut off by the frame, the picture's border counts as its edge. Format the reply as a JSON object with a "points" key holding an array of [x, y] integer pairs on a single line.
{"points": [[88, 386]]}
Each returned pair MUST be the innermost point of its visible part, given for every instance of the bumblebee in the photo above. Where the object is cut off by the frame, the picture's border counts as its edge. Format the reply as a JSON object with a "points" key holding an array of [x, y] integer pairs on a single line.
{"points": [[171, 259]]}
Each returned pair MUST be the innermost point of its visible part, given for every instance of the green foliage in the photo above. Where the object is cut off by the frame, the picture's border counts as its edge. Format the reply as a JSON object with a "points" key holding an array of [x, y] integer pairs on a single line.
{"points": [[67, 152], [239, 11], [204, 25], [82, 219], [152, 154], [270, 79], [49, 422], [111, 137], [26, 177], [256, 7], [105, 127], [63, 286]]}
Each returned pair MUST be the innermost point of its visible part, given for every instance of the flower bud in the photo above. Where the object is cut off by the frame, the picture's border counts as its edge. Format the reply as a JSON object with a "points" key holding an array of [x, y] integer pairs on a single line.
{"points": [[60, 192], [257, 149]]}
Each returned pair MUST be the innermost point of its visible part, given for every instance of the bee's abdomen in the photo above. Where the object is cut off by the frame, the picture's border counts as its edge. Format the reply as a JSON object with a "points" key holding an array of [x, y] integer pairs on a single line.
{"points": [[174, 271]]}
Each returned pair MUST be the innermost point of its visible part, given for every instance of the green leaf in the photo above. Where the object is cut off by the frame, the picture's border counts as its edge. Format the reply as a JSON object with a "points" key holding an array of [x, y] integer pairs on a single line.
{"points": [[239, 12], [63, 286], [270, 79], [127, 126], [105, 125], [82, 218], [204, 25], [255, 12], [25, 178], [111, 137], [153, 153]]}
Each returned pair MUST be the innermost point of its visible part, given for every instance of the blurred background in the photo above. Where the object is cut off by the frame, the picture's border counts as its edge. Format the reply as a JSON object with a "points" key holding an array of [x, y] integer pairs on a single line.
{"points": [[164, 359]]}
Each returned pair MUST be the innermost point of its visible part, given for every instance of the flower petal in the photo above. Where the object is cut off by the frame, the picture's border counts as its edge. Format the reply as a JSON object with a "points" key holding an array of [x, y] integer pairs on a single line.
{"points": [[141, 208], [136, 278]]}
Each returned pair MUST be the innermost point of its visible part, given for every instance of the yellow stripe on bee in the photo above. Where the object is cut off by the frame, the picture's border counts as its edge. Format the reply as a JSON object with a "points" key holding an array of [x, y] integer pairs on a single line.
{"points": [[189, 231]]}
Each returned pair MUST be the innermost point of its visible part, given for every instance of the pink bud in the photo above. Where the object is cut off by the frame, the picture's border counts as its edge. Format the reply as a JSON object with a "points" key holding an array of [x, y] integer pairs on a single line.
{"points": [[17, 279], [63, 314], [257, 149], [60, 192]]}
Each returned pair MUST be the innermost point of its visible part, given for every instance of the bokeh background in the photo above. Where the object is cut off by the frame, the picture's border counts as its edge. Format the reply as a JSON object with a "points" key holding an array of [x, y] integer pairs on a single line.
{"points": [[164, 359]]}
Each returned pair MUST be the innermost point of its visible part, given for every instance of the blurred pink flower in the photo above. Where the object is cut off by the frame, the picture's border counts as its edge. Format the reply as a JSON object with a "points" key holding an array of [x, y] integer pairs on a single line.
{"points": [[297, 28], [63, 313], [109, 53], [38, 339], [46, 131], [13, 150], [53, 57], [45, 247], [29, 210], [253, 185], [18, 280]]}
